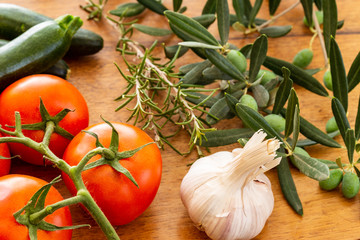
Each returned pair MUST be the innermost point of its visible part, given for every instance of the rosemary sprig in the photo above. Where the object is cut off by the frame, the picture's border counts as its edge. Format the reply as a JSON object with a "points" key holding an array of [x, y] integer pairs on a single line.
{"points": [[95, 10], [148, 80]]}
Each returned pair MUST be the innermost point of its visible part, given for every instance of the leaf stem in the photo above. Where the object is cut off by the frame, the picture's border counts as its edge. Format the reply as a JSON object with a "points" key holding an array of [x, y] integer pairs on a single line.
{"points": [[321, 39], [274, 18]]}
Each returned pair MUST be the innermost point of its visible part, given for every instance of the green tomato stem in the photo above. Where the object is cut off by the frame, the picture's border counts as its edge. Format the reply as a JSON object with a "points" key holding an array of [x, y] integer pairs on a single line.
{"points": [[83, 196], [50, 126], [36, 217], [79, 168]]}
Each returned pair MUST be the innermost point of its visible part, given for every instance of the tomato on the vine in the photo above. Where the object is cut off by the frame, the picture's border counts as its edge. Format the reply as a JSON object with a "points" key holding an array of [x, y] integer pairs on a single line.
{"points": [[118, 197], [56, 94], [6, 161], [15, 191]]}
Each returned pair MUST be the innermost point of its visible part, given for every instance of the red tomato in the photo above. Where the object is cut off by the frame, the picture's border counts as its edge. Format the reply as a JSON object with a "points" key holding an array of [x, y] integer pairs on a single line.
{"points": [[56, 93], [4, 163], [116, 195], [15, 191]]}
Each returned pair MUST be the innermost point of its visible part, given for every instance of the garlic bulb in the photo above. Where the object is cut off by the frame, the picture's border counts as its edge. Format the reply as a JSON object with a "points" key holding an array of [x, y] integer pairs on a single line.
{"points": [[227, 194]]}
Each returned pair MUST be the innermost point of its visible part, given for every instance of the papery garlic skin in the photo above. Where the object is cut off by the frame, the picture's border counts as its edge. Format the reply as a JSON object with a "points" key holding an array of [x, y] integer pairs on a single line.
{"points": [[227, 194]]}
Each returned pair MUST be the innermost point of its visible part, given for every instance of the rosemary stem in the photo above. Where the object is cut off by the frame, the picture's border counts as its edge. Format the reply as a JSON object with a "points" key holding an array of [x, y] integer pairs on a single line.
{"points": [[140, 54]]}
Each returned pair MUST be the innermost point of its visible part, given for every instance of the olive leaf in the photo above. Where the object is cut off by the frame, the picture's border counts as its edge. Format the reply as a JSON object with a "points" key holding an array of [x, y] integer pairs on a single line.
{"points": [[276, 31], [176, 5], [330, 21], [357, 122], [128, 10], [293, 103], [308, 142], [257, 56], [152, 30], [220, 110], [154, 6], [308, 10], [223, 64], [296, 127], [254, 11], [340, 24], [255, 120], [298, 75], [187, 37], [353, 75], [288, 187], [242, 9], [246, 50], [311, 167], [261, 95], [213, 73], [201, 99], [318, 4], [231, 102], [210, 7], [350, 143], [330, 164], [191, 28], [171, 51], [188, 67], [338, 75], [226, 136], [191, 44], [313, 133], [195, 74], [283, 92], [312, 71], [273, 6], [340, 116], [223, 19], [206, 19]]}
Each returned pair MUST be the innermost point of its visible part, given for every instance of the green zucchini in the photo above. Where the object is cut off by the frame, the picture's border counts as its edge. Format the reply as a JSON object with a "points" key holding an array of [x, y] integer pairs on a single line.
{"points": [[60, 68], [15, 20], [37, 49]]}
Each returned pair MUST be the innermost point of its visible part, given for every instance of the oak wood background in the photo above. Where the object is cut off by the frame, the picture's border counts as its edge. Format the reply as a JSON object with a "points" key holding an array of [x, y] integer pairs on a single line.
{"points": [[327, 215]]}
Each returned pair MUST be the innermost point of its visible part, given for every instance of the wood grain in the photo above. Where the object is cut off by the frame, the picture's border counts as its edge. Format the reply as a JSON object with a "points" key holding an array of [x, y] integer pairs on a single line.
{"points": [[327, 215]]}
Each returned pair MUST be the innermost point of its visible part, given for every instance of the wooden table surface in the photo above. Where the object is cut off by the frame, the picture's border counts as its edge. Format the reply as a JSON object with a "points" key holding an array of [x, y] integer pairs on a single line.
{"points": [[327, 215]]}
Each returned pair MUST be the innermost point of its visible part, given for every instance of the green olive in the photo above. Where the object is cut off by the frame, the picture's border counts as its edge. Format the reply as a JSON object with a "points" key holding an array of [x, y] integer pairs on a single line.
{"points": [[331, 125], [249, 101], [303, 58], [267, 76], [277, 122], [319, 16], [237, 59], [327, 80], [350, 185], [333, 181]]}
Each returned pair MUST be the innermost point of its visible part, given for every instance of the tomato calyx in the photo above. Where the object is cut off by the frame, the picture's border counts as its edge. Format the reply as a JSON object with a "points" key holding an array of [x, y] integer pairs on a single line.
{"points": [[30, 217], [46, 119], [111, 156]]}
